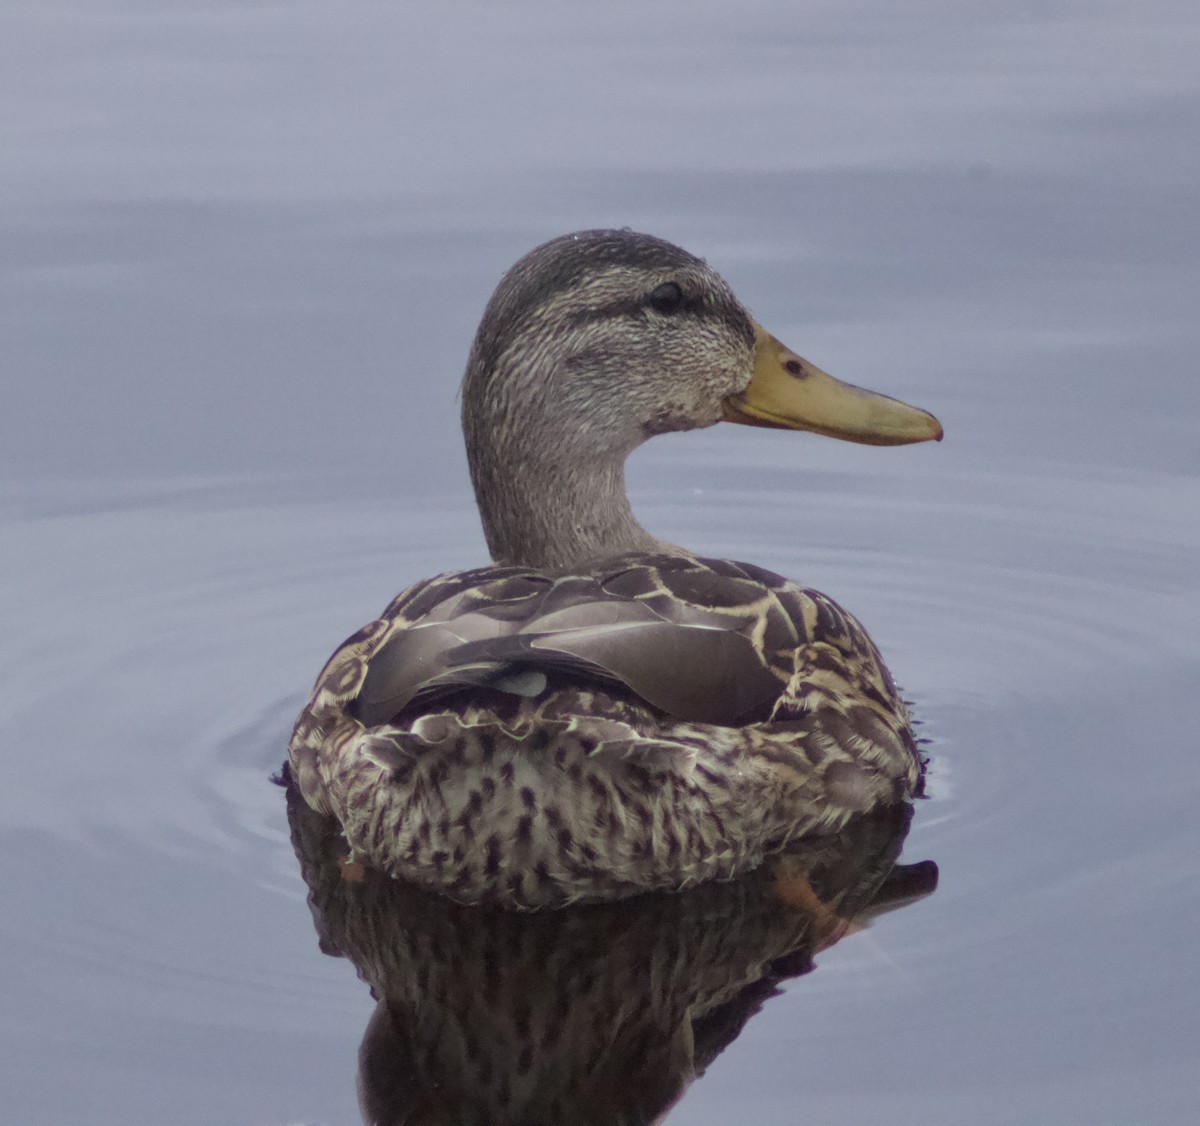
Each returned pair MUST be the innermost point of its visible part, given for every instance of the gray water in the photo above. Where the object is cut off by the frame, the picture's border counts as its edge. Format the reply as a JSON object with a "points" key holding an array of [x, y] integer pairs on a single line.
{"points": [[243, 248]]}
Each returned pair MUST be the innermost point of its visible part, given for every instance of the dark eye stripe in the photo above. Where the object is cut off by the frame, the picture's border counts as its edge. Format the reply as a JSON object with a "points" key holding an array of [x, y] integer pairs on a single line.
{"points": [[733, 316], [666, 298]]}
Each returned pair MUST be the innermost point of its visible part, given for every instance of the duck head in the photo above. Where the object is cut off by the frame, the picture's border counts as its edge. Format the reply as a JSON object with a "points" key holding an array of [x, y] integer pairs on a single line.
{"points": [[598, 340]]}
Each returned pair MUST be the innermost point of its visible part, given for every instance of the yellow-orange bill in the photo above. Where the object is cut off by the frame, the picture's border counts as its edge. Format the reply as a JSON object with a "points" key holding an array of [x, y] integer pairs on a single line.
{"points": [[788, 392]]}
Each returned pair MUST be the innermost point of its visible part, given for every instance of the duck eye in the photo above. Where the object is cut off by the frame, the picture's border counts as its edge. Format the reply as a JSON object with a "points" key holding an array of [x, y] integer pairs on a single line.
{"points": [[666, 298]]}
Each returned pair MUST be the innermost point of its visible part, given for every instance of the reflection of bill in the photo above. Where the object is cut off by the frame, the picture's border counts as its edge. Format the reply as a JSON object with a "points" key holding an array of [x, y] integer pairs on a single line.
{"points": [[595, 1014]]}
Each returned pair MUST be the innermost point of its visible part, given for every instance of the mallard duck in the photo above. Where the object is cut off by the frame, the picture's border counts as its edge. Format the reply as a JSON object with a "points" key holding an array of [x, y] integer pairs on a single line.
{"points": [[600, 713]]}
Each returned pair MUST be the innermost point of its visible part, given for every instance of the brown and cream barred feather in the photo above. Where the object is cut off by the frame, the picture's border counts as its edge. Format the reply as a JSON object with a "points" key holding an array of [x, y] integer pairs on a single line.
{"points": [[534, 738], [529, 738]]}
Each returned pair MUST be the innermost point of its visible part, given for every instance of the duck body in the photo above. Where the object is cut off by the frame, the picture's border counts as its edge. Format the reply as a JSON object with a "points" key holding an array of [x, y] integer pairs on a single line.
{"points": [[599, 713]]}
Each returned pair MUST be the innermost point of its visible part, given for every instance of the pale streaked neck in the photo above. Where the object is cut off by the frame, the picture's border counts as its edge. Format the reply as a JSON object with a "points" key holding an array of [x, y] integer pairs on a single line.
{"points": [[555, 508]]}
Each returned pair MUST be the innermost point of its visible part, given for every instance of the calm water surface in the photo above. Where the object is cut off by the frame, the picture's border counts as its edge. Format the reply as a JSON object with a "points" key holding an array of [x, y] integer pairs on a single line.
{"points": [[244, 248]]}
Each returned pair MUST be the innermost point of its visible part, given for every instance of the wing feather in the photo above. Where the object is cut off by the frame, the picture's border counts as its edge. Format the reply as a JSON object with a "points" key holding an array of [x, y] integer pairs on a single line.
{"points": [[696, 639]]}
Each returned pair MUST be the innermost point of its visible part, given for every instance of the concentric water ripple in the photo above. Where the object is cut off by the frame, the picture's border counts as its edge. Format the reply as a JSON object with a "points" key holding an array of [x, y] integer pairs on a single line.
{"points": [[153, 669], [211, 610]]}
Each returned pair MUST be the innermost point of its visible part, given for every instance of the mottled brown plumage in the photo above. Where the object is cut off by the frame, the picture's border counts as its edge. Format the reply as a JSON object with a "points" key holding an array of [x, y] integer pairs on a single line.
{"points": [[601, 713], [590, 1014]]}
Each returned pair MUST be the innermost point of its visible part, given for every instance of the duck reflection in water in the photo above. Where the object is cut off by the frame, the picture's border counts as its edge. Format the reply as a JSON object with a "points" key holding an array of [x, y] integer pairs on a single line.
{"points": [[594, 1014]]}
